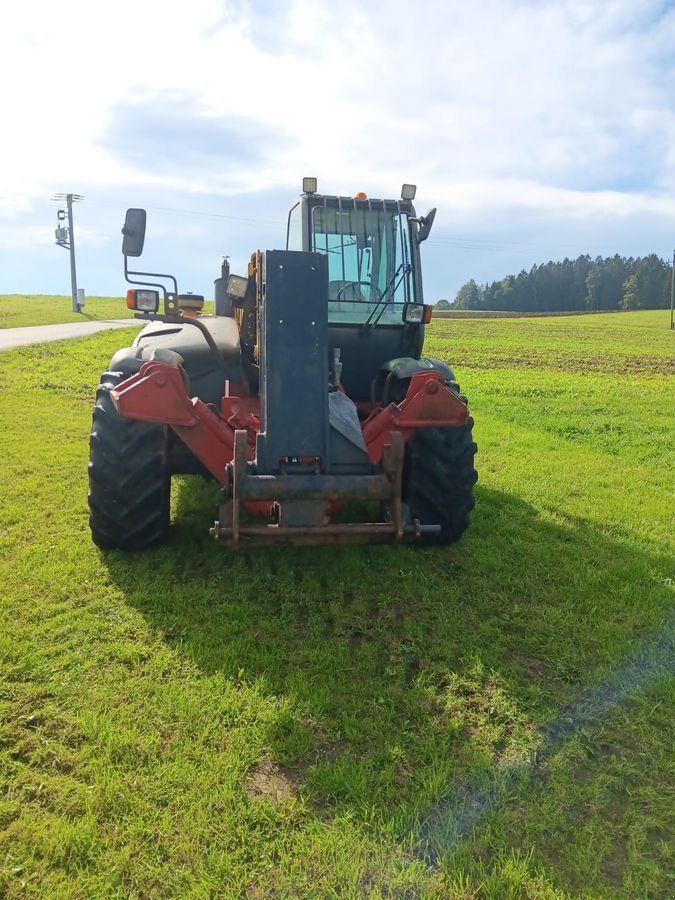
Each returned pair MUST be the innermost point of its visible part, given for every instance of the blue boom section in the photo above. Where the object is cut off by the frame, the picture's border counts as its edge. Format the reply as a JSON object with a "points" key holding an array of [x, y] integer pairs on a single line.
{"points": [[293, 361]]}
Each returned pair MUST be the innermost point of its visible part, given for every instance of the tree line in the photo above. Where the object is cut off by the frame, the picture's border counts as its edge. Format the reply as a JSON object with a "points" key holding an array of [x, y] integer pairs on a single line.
{"points": [[615, 282]]}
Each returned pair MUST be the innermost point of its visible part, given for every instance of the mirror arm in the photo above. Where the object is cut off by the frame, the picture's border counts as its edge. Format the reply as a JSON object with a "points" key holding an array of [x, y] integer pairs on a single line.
{"points": [[170, 305]]}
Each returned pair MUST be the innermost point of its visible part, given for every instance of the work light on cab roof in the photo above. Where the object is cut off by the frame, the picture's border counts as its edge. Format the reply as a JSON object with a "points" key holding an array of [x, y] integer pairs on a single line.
{"points": [[310, 186], [306, 390]]}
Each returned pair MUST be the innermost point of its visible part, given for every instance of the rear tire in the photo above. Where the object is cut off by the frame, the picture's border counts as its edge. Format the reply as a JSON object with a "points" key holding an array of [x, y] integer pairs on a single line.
{"points": [[438, 480], [129, 479]]}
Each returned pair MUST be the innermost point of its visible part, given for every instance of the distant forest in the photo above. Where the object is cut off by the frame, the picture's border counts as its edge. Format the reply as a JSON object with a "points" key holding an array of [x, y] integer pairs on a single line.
{"points": [[584, 283]]}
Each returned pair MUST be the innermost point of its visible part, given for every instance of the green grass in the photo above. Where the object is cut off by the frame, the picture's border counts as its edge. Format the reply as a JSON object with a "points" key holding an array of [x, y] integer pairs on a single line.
{"points": [[18, 310], [492, 719]]}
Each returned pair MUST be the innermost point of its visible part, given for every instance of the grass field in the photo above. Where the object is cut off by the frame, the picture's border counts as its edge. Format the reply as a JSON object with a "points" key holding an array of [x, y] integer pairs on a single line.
{"points": [[506, 314], [492, 719], [18, 310]]}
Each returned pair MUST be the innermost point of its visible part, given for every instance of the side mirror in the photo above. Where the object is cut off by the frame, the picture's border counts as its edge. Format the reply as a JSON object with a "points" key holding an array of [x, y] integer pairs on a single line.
{"points": [[425, 225], [134, 232]]}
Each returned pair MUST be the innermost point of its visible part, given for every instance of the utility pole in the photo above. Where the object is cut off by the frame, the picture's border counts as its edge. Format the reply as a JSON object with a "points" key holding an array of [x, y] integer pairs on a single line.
{"points": [[66, 238], [672, 294]]}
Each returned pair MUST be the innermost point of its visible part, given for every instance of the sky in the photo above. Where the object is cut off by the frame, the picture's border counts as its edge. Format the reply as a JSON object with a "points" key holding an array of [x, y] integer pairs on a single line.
{"points": [[540, 130]]}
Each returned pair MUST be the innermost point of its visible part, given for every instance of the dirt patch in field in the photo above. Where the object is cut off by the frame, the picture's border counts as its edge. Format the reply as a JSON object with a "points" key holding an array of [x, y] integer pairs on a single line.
{"points": [[268, 781], [610, 364]]}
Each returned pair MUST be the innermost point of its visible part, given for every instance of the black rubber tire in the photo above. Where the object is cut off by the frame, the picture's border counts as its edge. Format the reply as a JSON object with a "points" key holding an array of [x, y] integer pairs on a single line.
{"points": [[438, 480], [129, 479]]}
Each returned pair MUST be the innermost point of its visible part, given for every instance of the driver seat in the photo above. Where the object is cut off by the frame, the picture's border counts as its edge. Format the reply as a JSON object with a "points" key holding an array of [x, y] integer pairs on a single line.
{"points": [[345, 290]]}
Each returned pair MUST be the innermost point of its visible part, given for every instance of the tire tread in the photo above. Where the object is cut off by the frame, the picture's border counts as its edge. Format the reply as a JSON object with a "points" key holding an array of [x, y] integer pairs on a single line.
{"points": [[129, 482], [439, 478]]}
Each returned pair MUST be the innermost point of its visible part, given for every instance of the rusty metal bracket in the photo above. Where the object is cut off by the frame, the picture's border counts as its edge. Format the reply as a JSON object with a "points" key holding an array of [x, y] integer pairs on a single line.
{"points": [[245, 486]]}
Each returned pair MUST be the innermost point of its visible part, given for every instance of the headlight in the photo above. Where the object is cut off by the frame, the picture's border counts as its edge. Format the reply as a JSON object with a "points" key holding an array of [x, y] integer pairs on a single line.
{"points": [[413, 313], [143, 301], [417, 313]]}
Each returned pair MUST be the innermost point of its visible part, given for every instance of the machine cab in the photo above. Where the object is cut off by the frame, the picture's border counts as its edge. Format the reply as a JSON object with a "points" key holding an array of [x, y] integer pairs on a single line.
{"points": [[374, 275]]}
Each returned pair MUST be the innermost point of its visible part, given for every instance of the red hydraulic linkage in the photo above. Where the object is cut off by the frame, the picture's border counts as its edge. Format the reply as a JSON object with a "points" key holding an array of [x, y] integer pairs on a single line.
{"points": [[157, 394], [429, 403]]}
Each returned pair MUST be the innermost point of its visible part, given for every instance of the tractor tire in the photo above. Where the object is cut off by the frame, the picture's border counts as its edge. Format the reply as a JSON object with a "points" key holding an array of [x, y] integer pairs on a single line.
{"points": [[129, 479], [438, 480]]}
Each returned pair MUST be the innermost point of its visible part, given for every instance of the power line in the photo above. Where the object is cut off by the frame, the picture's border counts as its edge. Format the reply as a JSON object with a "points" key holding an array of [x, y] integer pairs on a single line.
{"points": [[491, 244], [169, 209], [196, 212], [474, 244]]}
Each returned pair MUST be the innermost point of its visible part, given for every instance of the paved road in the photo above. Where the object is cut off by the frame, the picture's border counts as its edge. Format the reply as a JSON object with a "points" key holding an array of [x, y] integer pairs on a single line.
{"points": [[38, 334]]}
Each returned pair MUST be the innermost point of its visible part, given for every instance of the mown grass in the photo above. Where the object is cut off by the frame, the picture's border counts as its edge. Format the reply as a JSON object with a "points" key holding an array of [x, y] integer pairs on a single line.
{"points": [[634, 344], [492, 719], [509, 314], [18, 310]]}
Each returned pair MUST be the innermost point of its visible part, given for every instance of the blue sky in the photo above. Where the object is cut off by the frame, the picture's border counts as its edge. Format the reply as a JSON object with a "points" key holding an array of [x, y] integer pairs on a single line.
{"points": [[539, 129]]}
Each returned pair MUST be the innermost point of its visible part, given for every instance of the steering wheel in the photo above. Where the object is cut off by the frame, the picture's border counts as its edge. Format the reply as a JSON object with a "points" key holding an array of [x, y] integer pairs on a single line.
{"points": [[349, 284]]}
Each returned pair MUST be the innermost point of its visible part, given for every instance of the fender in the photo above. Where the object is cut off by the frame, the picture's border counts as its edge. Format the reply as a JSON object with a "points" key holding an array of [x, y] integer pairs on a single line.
{"points": [[391, 382], [184, 346], [405, 367], [129, 360]]}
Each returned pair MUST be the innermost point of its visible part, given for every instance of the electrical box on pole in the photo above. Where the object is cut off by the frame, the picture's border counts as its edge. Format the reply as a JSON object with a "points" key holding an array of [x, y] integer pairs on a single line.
{"points": [[65, 237]]}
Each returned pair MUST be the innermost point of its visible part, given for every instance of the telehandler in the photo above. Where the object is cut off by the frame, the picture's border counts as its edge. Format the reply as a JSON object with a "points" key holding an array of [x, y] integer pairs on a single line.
{"points": [[306, 390]]}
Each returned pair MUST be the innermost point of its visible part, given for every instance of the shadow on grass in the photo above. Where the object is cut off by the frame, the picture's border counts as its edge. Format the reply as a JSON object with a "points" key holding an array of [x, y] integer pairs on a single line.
{"points": [[402, 671]]}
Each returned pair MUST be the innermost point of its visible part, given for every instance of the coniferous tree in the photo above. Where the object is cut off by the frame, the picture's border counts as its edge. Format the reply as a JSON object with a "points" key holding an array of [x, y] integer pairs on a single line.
{"points": [[615, 282], [648, 287], [468, 296]]}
